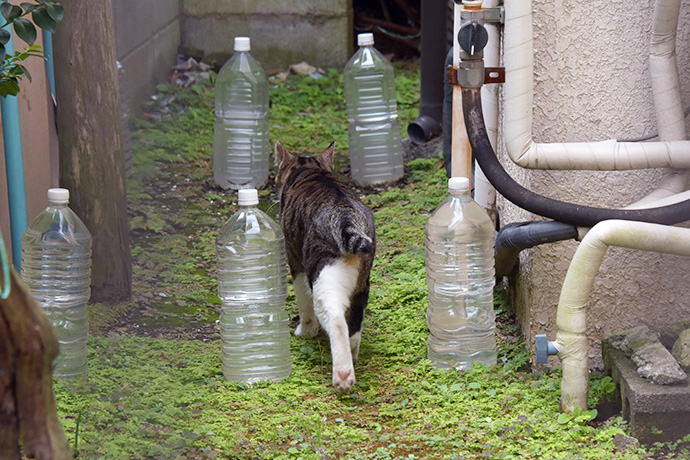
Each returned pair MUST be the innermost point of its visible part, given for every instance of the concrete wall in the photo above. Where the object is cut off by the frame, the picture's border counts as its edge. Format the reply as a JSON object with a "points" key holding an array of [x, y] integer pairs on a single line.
{"points": [[283, 32], [147, 37], [592, 83]]}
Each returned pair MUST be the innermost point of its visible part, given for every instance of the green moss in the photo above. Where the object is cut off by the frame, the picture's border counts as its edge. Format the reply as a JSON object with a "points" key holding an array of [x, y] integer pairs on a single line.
{"points": [[155, 387]]}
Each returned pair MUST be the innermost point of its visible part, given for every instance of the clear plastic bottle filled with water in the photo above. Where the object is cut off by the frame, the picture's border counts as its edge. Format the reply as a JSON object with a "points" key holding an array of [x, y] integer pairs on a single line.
{"points": [[241, 151], [252, 286], [460, 279], [56, 266], [372, 115]]}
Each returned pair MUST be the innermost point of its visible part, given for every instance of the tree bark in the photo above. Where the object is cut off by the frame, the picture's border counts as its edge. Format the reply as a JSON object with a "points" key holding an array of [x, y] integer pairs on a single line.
{"points": [[92, 164], [28, 346]]}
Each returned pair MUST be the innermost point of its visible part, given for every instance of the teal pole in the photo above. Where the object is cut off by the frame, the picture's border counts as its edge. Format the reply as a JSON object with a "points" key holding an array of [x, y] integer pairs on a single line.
{"points": [[14, 166], [48, 51]]}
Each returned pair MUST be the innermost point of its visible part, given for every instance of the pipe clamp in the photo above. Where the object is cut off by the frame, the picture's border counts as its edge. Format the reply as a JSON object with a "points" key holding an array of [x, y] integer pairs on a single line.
{"points": [[471, 74]]}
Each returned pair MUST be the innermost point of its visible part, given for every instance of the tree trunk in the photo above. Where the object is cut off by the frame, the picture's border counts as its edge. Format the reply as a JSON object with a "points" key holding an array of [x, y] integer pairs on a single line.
{"points": [[92, 164], [28, 346]]}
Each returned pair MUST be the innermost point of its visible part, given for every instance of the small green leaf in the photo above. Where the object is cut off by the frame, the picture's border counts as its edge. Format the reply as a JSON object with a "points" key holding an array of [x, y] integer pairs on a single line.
{"points": [[293, 450], [2, 51], [474, 385], [5, 36], [55, 10], [9, 88], [589, 415], [564, 418], [43, 20], [25, 71], [9, 11], [5, 9], [456, 387], [28, 7], [25, 30]]}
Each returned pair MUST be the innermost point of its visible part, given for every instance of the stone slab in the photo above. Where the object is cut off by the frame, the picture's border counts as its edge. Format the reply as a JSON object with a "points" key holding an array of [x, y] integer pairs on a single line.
{"points": [[655, 413]]}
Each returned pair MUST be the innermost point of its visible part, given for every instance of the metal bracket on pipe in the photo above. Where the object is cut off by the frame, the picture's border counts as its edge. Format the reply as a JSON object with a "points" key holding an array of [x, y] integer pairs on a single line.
{"points": [[494, 14], [491, 75]]}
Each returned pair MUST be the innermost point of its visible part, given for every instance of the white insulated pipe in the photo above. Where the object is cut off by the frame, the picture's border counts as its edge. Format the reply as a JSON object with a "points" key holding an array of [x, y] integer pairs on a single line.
{"points": [[571, 320], [484, 192], [604, 155], [663, 71]]}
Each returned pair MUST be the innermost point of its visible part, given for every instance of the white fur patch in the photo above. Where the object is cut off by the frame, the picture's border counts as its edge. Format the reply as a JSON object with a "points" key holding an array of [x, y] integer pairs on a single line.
{"points": [[331, 293], [308, 324]]}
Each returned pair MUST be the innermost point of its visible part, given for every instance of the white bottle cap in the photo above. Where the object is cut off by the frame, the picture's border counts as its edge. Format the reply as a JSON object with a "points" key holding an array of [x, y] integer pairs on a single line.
{"points": [[365, 39], [247, 197], [458, 184], [242, 44], [58, 195]]}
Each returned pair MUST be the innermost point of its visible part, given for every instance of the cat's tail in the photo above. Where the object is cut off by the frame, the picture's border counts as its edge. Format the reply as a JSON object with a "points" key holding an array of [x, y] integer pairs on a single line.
{"points": [[356, 242]]}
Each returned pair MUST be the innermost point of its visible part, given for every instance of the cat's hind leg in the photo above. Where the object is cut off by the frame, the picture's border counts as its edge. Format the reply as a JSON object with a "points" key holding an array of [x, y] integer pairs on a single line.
{"points": [[332, 290], [308, 324], [357, 306]]}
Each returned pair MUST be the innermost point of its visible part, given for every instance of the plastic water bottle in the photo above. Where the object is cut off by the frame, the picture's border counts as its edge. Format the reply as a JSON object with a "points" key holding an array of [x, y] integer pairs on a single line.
{"points": [[460, 279], [252, 286], [372, 115], [241, 152], [56, 266]]}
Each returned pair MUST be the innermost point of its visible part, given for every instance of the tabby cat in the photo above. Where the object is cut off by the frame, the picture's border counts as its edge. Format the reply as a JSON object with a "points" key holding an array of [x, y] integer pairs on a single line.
{"points": [[330, 242]]}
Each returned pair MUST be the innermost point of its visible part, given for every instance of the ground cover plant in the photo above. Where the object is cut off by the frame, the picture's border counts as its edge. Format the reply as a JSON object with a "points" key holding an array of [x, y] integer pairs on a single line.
{"points": [[155, 387]]}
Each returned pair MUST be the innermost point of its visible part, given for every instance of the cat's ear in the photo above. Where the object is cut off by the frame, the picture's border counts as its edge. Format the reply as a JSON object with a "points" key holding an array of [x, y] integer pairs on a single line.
{"points": [[326, 158], [282, 155]]}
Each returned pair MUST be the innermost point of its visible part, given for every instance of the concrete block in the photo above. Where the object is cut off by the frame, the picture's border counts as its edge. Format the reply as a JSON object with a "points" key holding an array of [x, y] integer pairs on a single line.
{"points": [[669, 334], [655, 413], [257, 7], [277, 40]]}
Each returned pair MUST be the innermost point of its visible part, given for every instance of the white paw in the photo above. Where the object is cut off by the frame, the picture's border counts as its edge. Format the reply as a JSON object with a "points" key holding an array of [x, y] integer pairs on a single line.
{"points": [[343, 379], [308, 329]]}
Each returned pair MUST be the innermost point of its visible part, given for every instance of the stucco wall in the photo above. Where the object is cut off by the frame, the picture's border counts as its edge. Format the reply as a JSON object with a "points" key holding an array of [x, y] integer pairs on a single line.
{"points": [[591, 83]]}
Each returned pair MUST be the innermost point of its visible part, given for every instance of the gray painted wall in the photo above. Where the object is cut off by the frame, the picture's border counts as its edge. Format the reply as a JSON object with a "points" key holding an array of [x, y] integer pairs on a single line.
{"points": [[147, 38]]}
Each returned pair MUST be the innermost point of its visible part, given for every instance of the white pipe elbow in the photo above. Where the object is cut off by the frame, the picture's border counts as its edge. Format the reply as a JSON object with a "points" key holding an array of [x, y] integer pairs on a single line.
{"points": [[571, 318]]}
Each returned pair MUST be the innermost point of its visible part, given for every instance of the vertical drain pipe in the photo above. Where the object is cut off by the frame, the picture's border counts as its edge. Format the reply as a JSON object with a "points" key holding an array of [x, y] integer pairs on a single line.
{"points": [[14, 166], [428, 124]]}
